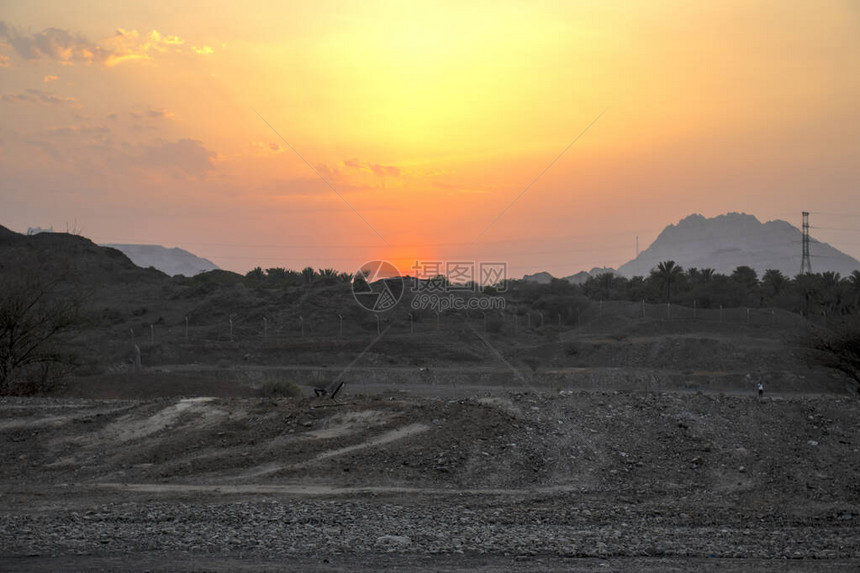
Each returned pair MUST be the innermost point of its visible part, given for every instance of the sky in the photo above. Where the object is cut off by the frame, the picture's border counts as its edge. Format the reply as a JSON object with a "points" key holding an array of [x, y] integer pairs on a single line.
{"points": [[545, 135]]}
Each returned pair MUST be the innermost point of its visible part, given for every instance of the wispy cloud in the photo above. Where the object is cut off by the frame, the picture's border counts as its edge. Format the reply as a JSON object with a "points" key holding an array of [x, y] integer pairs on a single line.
{"points": [[266, 149], [71, 48], [37, 97], [152, 113], [49, 79], [378, 169], [84, 129]]}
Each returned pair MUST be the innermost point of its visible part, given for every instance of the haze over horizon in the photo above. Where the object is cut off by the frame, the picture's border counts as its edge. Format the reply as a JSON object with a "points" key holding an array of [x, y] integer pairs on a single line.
{"points": [[147, 123]]}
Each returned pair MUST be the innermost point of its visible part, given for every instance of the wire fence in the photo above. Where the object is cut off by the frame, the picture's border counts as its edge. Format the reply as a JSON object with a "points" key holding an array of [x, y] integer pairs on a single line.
{"points": [[674, 312], [335, 327]]}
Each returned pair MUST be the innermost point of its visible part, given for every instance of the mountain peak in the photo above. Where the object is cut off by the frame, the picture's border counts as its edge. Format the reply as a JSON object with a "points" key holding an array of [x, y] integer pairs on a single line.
{"points": [[172, 261], [730, 240]]}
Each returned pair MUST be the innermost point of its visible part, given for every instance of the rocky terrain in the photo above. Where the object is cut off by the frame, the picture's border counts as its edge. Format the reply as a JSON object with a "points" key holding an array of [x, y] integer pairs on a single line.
{"points": [[569, 479]]}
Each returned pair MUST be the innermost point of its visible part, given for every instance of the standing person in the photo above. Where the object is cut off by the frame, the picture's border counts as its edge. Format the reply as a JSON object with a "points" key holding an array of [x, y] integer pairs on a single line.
{"points": [[760, 390]]}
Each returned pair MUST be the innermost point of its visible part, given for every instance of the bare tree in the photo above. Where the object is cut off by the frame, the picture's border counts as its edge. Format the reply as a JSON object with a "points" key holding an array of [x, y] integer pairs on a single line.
{"points": [[34, 315]]}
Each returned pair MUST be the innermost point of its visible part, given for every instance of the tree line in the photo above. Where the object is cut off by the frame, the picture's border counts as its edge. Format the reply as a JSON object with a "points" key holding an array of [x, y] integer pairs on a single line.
{"points": [[805, 293]]}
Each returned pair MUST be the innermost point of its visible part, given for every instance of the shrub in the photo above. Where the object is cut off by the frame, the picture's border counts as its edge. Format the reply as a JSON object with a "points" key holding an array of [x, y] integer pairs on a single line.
{"points": [[275, 388]]}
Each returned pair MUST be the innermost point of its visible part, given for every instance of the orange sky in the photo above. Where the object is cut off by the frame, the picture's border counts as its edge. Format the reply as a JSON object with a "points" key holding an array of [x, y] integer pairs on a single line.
{"points": [[138, 122]]}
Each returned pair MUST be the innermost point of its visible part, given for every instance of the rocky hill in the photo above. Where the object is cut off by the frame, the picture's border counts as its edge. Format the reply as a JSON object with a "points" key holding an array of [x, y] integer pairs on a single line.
{"points": [[542, 278], [69, 258], [173, 261], [727, 241]]}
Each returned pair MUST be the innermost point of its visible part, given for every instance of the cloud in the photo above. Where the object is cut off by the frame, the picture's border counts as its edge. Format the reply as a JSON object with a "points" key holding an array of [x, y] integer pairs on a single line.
{"points": [[70, 48], [328, 173], [266, 149], [203, 50], [38, 97], [383, 170], [152, 113], [4, 61], [50, 43], [182, 158], [49, 79], [84, 129], [378, 169]]}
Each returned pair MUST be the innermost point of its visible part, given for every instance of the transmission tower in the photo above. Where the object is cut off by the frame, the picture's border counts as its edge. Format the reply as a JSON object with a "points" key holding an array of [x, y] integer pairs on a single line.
{"points": [[805, 265]]}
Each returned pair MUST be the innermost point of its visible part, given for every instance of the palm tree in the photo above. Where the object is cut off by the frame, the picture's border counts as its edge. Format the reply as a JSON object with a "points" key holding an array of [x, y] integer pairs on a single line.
{"points": [[669, 272], [831, 291], [774, 281], [327, 276], [308, 274], [807, 286], [854, 286], [707, 274]]}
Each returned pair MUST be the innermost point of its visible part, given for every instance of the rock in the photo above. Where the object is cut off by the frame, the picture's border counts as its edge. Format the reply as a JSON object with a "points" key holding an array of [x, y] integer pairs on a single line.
{"points": [[393, 542]]}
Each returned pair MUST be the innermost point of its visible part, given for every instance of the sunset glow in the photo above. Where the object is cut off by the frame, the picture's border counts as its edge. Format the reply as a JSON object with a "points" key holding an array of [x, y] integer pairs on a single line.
{"points": [[141, 123]]}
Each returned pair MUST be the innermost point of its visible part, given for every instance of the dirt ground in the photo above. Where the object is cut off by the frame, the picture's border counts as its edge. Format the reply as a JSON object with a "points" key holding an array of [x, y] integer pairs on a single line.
{"points": [[499, 481], [623, 444]]}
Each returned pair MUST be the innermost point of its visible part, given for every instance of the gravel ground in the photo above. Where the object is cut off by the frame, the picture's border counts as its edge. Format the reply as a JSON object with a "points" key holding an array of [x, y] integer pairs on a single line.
{"points": [[574, 481]]}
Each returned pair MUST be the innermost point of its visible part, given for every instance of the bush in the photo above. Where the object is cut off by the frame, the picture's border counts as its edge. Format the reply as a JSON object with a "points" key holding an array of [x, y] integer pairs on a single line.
{"points": [[840, 349], [274, 388]]}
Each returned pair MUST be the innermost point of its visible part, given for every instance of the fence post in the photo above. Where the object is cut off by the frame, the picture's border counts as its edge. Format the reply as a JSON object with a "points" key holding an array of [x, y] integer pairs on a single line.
{"points": [[230, 319], [186, 329], [340, 317], [411, 324], [265, 328], [668, 311], [302, 323], [748, 315], [151, 334]]}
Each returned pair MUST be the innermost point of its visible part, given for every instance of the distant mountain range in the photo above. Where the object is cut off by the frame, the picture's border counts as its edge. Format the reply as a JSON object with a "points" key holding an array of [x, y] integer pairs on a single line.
{"points": [[724, 243], [545, 278], [173, 261]]}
